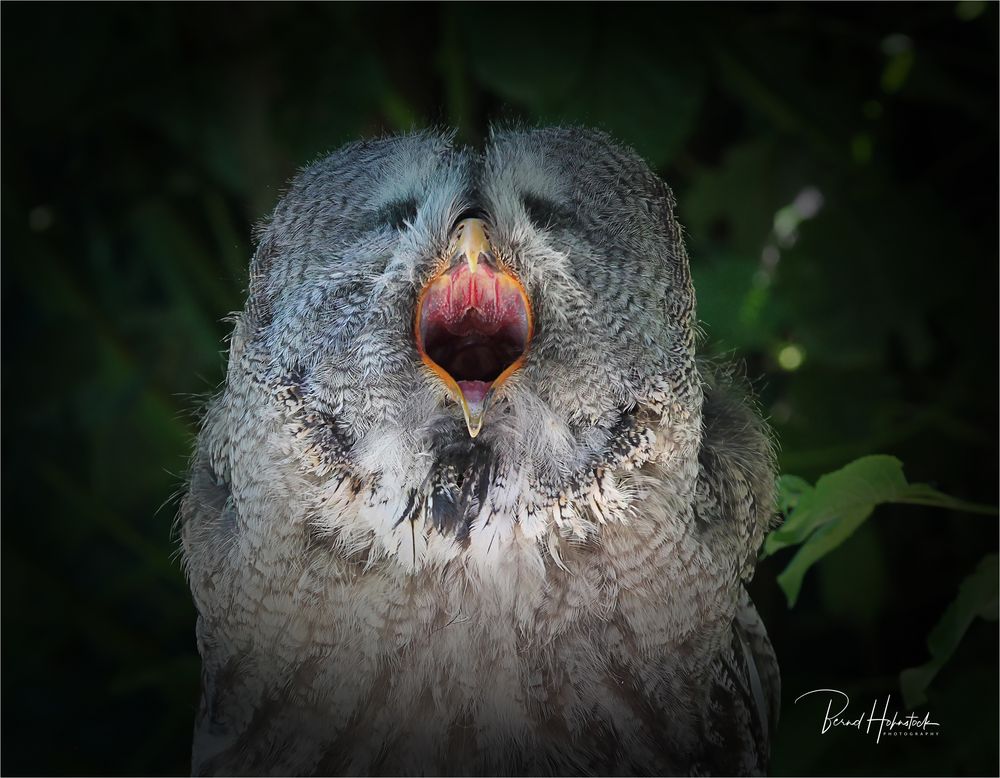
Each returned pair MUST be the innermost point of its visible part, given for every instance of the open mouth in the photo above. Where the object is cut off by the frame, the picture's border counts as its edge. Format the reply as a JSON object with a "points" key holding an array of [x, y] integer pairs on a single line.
{"points": [[473, 325]]}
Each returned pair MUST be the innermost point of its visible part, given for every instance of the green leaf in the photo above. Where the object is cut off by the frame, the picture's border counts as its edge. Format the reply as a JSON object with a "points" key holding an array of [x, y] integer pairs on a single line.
{"points": [[821, 543], [791, 489], [855, 488], [822, 518], [977, 597]]}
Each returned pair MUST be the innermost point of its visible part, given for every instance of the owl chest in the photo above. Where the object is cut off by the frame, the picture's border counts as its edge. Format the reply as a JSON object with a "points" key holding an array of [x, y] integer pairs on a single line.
{"points": [[488, 661], [460, 676]]}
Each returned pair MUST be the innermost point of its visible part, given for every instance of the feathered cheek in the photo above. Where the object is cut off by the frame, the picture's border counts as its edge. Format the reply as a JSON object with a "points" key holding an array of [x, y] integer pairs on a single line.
{"points": [[473, 323]]}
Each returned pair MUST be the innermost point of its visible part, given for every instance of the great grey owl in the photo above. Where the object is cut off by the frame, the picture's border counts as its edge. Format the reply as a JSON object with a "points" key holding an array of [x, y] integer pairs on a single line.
{"points": [[468, 503]]}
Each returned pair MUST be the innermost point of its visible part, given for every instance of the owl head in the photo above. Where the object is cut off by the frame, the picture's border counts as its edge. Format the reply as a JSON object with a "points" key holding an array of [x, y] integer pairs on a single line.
{"points": [[450, 321]]}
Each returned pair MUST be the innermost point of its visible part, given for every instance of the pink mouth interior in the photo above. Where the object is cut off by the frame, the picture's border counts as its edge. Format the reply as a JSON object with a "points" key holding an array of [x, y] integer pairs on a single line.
{"points": [[474, 326]]}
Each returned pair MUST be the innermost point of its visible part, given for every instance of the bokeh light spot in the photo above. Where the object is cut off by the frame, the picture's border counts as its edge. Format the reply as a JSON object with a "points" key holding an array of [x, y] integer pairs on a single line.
{"points": [[790, 357], [40, 218]]}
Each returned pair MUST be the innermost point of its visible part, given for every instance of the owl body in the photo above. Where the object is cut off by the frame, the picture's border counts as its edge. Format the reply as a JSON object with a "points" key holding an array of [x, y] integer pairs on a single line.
{"points": [[381, 591]]}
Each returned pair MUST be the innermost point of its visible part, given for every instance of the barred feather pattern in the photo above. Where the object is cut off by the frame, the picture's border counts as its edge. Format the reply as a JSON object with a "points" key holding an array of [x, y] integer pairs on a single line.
{"points": [[380, 594]]}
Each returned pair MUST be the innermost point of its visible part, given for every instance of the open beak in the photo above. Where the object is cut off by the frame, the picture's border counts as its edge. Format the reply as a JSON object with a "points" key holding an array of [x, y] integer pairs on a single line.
{"points": [[473, 322]]}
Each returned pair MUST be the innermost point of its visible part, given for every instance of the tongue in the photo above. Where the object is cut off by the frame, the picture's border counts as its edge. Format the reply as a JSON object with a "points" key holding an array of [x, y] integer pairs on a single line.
{"points": [[474, 392], [474, 397]]}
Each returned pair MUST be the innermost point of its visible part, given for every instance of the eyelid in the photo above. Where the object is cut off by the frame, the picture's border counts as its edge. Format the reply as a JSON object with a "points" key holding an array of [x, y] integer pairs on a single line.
{"points": [[545, 213], [395, 214]]}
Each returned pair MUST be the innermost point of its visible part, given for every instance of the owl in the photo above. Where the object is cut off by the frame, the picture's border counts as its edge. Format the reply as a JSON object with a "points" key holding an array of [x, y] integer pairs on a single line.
{"points": [[468, 501]]}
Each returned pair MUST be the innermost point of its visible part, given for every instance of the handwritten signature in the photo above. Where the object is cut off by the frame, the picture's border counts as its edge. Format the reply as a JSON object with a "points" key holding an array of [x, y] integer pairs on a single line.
{"points": [[910, 724]]}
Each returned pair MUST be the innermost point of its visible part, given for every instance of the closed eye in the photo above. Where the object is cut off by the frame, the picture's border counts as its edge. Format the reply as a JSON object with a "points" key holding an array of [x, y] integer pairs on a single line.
{"points": [[546, 213], [395, 215]]}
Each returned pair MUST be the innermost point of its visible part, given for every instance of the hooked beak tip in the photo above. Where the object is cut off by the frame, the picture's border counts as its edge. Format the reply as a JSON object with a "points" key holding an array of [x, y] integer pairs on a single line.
{"points": [[474, 425], [475, 398]]}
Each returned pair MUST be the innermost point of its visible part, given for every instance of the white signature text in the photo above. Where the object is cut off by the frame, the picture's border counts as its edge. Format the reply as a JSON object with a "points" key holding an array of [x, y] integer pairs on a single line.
{"points": [[866, 722]]}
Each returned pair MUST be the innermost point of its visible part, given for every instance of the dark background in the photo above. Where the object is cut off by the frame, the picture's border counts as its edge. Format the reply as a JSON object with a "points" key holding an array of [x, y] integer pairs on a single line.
{"points": [[142, 142]]}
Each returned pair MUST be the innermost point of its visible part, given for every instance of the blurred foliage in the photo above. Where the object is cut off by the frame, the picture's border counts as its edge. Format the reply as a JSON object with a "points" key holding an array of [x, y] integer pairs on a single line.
{"points": [[822, 517], [835, 167], [977, 598]]}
